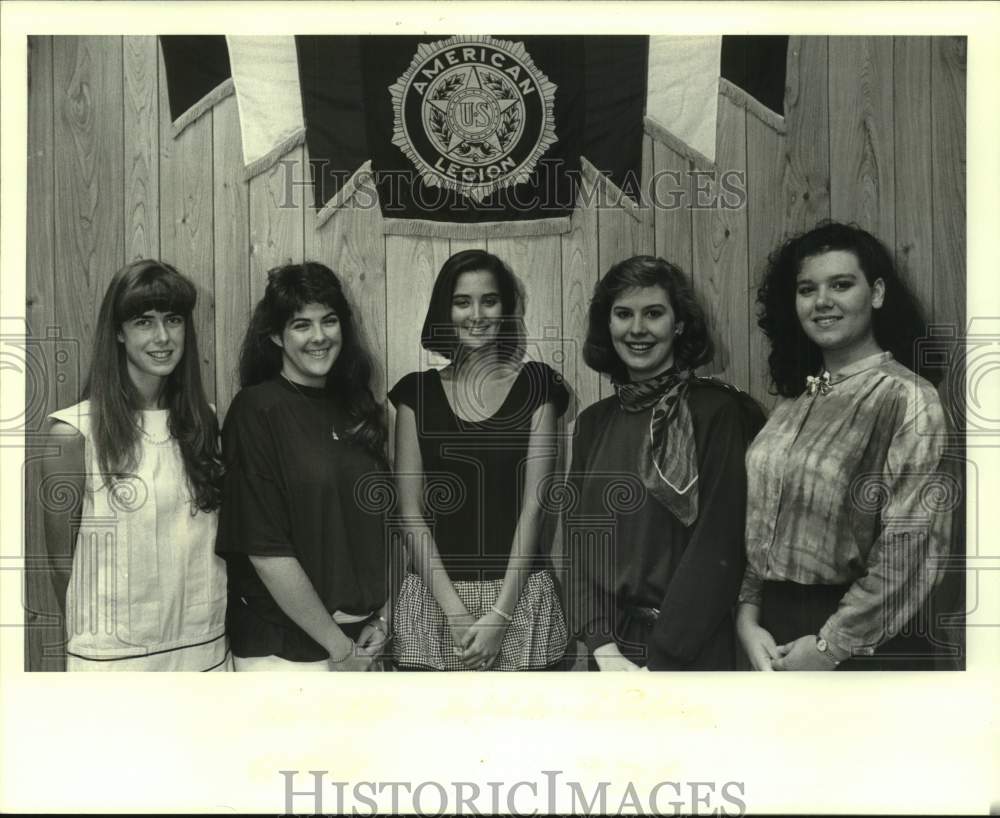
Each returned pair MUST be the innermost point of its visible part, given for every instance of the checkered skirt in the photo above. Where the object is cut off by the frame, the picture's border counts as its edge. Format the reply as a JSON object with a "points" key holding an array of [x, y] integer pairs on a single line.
{"points": [[535, 638]]}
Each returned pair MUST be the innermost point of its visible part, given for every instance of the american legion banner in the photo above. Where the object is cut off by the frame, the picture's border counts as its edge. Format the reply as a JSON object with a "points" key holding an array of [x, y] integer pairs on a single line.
{"points": [[473, 136]]}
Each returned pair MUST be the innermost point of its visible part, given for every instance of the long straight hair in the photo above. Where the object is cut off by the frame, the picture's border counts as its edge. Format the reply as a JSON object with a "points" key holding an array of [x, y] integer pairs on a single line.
{"points": [[115, 402], [289, 289]]}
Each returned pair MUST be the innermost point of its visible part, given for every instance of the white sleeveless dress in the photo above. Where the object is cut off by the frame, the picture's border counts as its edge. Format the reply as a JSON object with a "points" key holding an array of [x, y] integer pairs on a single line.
{"points": [[147, 591]]}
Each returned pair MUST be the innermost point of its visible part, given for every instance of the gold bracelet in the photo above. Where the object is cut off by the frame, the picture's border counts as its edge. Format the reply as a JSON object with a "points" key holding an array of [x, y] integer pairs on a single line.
{"points": [[503, 614]]}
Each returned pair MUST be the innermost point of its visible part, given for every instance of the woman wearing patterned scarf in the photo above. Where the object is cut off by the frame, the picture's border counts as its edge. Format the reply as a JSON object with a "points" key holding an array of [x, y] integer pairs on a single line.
{"points": [[848, 515], [657, 483]]}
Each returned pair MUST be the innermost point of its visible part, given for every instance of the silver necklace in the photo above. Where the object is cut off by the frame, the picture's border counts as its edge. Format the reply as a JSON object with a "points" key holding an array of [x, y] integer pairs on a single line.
{"points": [[295, 386]]}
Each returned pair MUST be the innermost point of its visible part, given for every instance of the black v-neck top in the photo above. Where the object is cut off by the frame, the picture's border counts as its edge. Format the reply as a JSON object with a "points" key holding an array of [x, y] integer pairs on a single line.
{"points": [[292, 489], [474, 472]]}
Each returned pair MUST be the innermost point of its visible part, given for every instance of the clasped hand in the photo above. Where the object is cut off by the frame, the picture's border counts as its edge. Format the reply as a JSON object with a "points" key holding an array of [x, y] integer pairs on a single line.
{"points": [[801, 654], [359, 659], [478, 642], [371, 642]]}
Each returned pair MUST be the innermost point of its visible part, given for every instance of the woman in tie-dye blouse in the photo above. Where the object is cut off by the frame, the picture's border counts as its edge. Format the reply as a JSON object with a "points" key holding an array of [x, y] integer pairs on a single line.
{"points": [[848, 512]]}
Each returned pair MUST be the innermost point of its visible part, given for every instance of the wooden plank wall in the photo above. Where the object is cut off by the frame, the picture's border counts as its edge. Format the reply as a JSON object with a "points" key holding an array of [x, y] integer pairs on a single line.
{"points": [[876, 135]]}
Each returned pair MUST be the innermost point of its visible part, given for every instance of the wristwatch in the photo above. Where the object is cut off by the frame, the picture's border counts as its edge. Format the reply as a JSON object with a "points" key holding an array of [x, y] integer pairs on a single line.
{"points": [[824, 647]]}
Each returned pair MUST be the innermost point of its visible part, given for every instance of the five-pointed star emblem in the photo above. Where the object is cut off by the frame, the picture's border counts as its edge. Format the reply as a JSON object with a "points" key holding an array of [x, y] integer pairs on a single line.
{"points": [[470, 80]]}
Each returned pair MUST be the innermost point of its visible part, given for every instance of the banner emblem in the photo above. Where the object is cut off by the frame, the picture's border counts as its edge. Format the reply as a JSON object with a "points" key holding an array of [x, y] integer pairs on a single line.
{"points": [[473, 114]]}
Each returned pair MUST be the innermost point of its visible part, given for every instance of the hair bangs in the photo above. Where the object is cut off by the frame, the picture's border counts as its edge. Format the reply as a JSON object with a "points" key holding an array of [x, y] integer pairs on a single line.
{"points": [[295, 287], [158, 288]]}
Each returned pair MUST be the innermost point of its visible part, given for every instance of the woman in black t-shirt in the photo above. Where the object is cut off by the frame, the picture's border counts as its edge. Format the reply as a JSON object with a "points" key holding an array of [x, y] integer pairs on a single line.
{"points": [[307, 588], [475, 443]]}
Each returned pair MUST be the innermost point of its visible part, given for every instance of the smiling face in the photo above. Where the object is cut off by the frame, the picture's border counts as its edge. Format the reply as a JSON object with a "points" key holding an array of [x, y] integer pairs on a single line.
{"points": [[310, 344], [476, 309], [643, 327], [154, 345], [834, 302]]}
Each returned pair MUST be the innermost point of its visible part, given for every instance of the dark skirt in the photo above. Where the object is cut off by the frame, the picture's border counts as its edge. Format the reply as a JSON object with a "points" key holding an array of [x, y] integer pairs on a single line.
{"points": [[633, 636], [790, 610]]}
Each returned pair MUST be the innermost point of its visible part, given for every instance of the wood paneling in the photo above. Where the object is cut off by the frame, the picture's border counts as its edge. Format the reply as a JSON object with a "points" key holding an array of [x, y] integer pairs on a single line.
{"points": [[914, 225], [579, 275], [643, 238], [788, 181], [537, 262], [412, 264], [277, 229], [805, 197], [766, 153], [187, 237], [43, 629], [87, 166], [351, 243], [458, 245], [948, 56], [720, 248], [948, 169], [861, 134], [670, 193], [142, 144], [231, 247], [41, 285]]}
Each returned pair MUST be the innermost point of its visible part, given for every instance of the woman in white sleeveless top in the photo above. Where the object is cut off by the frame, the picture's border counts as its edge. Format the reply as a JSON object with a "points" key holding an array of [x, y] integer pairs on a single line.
{"points": [[133, 491]]}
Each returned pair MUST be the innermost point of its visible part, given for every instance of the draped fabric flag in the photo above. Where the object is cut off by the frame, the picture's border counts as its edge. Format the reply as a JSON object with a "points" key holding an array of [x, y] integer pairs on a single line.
{"points": [[198, 76], [471, 136], [686, 74], [266, 79]]}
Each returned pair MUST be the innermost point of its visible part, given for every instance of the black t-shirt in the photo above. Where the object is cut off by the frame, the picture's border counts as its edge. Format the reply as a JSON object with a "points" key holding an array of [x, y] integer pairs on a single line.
{"points": [[291, 489], [474, 471]]}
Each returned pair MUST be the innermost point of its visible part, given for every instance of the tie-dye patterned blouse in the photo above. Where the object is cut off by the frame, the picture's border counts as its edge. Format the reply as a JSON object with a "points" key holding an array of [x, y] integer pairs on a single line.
{"points": [[845, 487]]}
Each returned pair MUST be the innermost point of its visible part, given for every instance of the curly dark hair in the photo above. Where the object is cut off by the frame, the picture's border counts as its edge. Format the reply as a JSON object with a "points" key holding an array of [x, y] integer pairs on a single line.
{"points": [[289, 289], [144, 285], [897, 325], [438, 333], [692, 348]]}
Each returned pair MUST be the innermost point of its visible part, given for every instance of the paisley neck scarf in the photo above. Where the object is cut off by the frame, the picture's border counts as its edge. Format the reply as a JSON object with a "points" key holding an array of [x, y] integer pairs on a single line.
{"points": [[668, 464]]}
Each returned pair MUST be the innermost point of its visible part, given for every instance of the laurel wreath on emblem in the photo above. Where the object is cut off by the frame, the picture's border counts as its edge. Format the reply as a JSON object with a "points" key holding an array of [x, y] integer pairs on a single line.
{"points": [[448, 87], [496, 85], [471, 152], [509, 121], [439, 124]]}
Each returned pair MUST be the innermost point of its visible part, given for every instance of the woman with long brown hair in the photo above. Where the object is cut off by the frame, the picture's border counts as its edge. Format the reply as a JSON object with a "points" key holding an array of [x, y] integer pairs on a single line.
{"points": [[139, 465], [307, 561]]}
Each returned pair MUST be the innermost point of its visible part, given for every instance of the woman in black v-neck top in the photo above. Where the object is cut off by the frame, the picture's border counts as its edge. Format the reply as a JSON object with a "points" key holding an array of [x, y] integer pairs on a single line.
{"points": [[474, 444]]}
